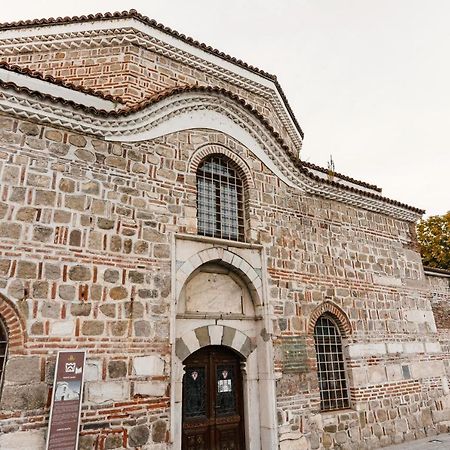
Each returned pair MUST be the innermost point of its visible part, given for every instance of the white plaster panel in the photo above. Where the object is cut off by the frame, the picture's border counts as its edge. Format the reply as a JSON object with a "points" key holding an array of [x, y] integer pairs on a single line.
{"points": [[107, 391], [359, 376], [387, 281], [413, 347], [148, 365], [394, 347], [376, 374], [214, 293], [62, 328], [394, 372], [419, 316], [427, 369], [150, 388], [432, 347], [92, 370], [368, 349]]}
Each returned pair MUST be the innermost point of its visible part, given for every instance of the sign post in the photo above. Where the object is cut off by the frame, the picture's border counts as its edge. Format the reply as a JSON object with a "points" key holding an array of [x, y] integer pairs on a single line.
{"points": [[66, 401]]}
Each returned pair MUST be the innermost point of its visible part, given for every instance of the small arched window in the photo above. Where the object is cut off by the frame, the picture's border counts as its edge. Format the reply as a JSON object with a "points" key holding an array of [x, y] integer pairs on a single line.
{"points": [[3, 350], [220, 204], [330, 365]]}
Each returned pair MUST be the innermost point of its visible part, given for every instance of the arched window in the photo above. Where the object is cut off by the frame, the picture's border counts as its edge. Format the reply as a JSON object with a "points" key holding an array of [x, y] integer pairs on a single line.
{"points": [[330, 365], [3, 350], [220, 204]]}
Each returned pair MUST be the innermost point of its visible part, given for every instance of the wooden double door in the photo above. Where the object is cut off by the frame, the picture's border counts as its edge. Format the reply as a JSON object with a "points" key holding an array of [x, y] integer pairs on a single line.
{"points": [[212, 401]]}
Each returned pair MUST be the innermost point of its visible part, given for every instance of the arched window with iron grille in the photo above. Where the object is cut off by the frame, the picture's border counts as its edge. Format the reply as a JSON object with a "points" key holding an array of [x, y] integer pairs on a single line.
{"points": [[330, 365], [3, 351], [220, 199]]}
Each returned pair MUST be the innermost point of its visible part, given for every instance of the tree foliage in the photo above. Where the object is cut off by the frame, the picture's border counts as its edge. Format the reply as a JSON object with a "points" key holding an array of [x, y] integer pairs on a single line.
{"points": [[433, 235]]}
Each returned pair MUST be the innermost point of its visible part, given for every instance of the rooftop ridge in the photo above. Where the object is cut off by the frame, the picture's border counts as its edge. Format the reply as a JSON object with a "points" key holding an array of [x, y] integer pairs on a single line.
{"points": [[58, 81]]}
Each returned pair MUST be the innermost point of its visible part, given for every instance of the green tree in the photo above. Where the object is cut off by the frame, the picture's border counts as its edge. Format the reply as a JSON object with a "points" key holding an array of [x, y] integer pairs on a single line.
{"points": [[433, 235]]}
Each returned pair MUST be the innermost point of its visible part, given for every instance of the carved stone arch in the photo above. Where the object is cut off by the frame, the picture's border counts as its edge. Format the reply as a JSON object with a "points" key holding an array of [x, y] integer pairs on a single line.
{"points": [[330, 308], [15, 326], [217, 149], [227, 258], [213, 335]]}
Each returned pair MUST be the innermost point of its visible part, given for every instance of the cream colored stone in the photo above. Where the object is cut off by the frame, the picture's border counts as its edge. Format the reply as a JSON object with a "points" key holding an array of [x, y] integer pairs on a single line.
{"points": [[215, 293]]}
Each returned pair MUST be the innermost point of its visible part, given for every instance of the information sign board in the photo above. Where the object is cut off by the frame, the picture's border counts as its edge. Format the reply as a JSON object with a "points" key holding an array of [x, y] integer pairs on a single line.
{"points": [[66, 401]]}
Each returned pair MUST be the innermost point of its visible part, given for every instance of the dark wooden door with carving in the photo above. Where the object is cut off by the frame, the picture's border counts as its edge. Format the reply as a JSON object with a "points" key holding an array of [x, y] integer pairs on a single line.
{"points": [[212, 401]]}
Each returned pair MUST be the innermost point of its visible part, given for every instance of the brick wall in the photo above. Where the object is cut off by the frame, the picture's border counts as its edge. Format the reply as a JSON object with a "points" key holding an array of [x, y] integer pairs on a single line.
{"points": [[133, 73], [85, 261]]}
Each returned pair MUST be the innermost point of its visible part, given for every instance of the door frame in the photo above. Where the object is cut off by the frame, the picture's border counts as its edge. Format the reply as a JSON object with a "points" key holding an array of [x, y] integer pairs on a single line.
{"points": [[249, 337], [211, 356]]}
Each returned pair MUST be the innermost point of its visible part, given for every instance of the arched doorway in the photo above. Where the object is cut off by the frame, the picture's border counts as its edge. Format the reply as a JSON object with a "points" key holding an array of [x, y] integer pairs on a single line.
{"points": [[213, 401]]}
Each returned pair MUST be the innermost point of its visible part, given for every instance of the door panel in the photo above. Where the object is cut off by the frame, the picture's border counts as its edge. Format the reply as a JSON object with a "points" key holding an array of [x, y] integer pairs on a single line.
{"points": [[213, 401]]}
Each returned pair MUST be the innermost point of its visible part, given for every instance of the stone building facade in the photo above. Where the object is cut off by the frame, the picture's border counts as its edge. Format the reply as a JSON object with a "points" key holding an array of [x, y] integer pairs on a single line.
{"points": [[155, 212]]}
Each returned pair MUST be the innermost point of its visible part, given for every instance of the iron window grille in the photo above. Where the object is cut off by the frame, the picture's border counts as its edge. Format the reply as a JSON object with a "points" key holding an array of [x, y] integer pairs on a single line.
{"points": [[3, 351], [330, 366], [220, 204]]}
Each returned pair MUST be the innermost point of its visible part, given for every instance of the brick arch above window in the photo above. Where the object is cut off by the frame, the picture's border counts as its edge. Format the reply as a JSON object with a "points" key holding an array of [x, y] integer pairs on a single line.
{"points": [[340, 318], [15, 326], [216, 149]]}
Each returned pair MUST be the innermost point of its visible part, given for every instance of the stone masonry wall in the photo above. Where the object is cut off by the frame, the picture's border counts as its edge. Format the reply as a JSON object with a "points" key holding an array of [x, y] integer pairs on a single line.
{"points": [[439, 287], [85, 250]]}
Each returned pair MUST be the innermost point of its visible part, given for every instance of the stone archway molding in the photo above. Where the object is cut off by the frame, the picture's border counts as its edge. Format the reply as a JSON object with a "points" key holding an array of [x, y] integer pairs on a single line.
{"points": [[328, 307], [224, 256], [213, 335], [15, 326], [211, 149]]}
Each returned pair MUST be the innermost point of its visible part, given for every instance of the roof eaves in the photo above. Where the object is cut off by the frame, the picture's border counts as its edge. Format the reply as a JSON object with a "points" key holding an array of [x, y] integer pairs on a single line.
{"points": [[178, 90]]}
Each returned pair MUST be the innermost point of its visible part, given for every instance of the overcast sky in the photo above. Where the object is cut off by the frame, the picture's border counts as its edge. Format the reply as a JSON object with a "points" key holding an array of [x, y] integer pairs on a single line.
{"points": [[368, 80]]}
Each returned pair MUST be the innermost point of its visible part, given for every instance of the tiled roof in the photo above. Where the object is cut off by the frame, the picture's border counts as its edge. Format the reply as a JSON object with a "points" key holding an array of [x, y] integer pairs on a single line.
{"points": [[342, 177], [50, 79], [436, 270], [302, 167], [133, 14]]}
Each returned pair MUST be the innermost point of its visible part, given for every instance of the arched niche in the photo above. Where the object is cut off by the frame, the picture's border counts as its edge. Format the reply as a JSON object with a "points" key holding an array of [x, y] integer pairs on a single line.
{"points": [[215, 288]]}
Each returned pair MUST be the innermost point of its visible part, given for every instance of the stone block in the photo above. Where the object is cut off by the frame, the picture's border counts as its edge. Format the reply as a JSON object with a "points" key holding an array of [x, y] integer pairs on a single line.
{"points": [[150, 388], [93, 327], [26, 269], [62, 328], [394, 372], [441, 416], [117, 369], [23, 369], [413, 347], [138, 436], [427, 369], [92, 370], [114, 441], [107, 391], [432, 347], [363, 350], [80, 273], [118, 293], [159, 431], [24, 397], [148, 366], [394, 347], [23, 440]]}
